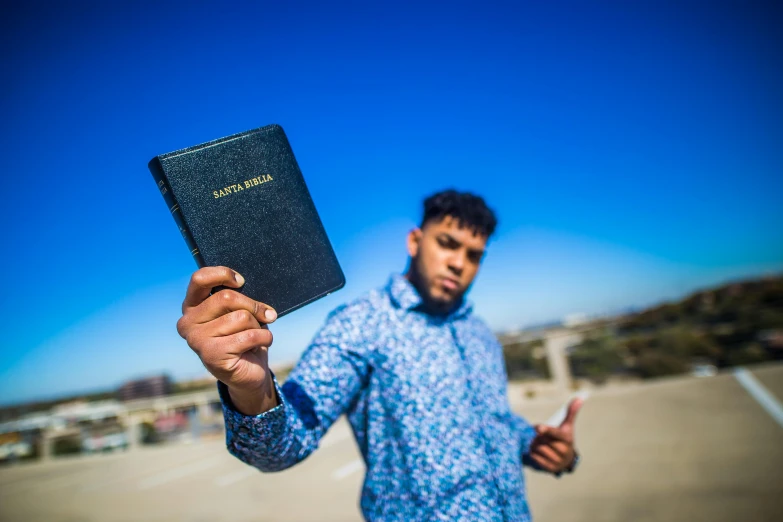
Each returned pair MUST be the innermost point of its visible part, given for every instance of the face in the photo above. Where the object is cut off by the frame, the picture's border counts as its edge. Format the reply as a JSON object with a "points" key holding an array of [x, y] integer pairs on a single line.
{"points": [[444, 261]]}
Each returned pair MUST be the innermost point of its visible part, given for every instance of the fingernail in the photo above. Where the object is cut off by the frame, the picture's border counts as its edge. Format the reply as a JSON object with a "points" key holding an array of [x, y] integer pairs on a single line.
{"points": [[239, 279], [270, 314]]}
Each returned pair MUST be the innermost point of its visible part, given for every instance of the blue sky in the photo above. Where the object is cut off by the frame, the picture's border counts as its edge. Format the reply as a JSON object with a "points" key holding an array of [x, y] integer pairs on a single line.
{"points": [[633, 153]]}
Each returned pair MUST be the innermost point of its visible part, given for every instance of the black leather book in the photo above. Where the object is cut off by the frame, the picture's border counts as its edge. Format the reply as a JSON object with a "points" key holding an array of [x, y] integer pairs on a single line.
{"points": [[241, 202]]}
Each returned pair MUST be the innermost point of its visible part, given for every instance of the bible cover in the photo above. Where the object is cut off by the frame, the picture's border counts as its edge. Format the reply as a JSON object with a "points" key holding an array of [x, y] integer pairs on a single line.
{"points": [[241, 202]]}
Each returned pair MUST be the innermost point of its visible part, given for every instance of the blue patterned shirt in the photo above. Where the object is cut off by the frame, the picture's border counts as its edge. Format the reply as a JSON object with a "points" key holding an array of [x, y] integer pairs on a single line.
{"points": [[426, 399]]}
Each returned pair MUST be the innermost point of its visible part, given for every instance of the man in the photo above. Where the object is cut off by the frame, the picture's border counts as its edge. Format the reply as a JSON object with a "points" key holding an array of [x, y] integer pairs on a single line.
{"points": [[420, 377]]}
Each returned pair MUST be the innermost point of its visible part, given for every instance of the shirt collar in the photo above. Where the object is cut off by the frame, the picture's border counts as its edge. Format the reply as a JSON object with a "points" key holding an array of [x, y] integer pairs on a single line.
{"points": [[404, 295]]}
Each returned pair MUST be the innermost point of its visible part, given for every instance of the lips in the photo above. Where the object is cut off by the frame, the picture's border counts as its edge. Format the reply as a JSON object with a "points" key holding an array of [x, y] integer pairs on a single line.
{"points": [[449, 284]]}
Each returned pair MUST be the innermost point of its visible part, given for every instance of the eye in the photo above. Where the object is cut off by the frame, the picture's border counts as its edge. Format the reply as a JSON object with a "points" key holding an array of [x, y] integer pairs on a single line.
{"points": [[475, 256]]}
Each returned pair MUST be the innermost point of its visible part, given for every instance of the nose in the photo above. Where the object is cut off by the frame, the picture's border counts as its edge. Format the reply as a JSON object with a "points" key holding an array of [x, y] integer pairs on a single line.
{"points": [[456, 263]]}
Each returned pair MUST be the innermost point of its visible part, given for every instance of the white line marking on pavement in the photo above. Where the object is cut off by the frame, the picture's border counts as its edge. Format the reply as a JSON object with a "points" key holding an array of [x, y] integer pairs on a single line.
{"points": [[351, 467], [760, 393], [559, 416], [231, 478], [178, 473]]}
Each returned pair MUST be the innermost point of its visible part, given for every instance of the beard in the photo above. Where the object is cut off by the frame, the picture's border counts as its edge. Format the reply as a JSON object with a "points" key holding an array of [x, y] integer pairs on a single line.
{"points": [[439, 303]]}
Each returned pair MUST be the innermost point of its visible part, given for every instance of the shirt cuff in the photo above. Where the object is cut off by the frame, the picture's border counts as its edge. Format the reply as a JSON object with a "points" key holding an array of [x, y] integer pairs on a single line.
{"points": [[228, 404], [260, 439]]}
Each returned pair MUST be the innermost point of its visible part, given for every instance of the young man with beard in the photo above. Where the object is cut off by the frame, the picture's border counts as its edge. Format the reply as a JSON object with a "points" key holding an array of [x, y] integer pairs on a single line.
{"points": [[421, 379]]}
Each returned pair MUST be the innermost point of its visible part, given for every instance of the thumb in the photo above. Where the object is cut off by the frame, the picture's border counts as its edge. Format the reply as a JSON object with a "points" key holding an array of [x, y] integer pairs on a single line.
{"points": [[542, 429], [573, 408]]}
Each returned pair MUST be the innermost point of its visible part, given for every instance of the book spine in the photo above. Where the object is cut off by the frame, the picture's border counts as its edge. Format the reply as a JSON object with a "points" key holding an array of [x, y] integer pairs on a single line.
{"points": [[176, 212]]}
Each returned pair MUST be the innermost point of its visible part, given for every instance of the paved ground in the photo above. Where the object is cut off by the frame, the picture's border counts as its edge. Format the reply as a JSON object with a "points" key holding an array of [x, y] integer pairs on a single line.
{"points": [[674, 450]]}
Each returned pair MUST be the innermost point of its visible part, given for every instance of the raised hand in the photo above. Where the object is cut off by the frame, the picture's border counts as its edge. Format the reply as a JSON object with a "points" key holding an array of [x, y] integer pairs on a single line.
{"points": [[228, 332], [553, 447]]}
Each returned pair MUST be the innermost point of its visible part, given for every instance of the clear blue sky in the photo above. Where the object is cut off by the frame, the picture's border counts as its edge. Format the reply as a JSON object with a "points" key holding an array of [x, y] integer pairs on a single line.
{"points": [[633, 153]]}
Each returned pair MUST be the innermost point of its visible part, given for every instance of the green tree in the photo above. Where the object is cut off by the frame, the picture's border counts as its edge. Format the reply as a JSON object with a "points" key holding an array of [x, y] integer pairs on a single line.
{"points": [[597, 357]]}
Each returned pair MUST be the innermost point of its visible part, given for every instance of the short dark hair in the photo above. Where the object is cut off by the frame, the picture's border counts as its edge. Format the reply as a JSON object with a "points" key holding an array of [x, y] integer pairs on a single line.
{"points": [[468, 209]]}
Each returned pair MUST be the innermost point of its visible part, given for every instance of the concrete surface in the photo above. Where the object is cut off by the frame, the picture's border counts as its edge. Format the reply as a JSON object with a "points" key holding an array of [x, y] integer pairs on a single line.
{"points": [[678, 449]]}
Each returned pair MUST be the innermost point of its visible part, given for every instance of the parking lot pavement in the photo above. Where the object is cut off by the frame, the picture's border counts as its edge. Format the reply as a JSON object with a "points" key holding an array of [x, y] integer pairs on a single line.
{"points": [[673, 450]]}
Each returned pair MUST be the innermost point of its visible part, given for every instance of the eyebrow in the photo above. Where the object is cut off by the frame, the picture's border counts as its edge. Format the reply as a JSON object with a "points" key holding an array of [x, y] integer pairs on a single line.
{"points": [[446, 235]]}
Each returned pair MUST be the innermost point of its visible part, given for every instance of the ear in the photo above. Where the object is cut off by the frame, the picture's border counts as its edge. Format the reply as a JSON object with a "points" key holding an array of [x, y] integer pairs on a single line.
{"points": [[414, 240]]}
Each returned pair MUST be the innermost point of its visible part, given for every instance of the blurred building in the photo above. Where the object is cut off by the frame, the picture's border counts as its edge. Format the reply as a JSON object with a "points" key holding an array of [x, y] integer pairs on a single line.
{"points": [[156, 386], [573, 320]]}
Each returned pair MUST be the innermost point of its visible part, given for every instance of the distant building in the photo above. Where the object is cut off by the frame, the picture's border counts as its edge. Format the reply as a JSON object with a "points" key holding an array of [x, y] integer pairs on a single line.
{"points": [[573, 320], [143, 388]]}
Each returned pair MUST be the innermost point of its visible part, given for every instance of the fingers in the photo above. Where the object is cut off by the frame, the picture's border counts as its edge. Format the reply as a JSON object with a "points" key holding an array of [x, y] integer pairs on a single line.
{"points": [[548, 453], [223, 352], [205, 279], [233, 322], [544, 462], [555, 438], [247, 340], [561, 449], [228, 301]]}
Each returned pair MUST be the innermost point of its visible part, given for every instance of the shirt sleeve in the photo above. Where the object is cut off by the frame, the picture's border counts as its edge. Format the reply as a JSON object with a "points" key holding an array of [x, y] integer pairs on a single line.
{"points": [[521, 429], [526, 433], [324, 383]]}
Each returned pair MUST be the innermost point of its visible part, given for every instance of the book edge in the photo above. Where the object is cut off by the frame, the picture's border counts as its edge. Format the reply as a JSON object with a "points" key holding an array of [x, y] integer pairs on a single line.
{"points": [[193, 148], [340, 285]]}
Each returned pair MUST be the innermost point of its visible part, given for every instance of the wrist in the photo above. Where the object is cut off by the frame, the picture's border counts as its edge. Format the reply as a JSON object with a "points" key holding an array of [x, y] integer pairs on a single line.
{"points": [[254, 401], [571, 466]]}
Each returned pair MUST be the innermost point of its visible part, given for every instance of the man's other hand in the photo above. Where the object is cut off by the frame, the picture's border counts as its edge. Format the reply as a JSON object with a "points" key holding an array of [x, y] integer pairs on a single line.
{"points": [[553, 447]]}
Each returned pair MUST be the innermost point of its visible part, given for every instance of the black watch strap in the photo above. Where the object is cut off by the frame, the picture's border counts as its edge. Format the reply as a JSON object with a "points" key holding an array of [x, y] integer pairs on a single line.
{"points": [[571, 467]]}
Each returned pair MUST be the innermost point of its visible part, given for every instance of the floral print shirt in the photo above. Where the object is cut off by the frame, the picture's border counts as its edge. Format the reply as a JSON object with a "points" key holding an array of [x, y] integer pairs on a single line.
{"points": [[426, 398]]}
